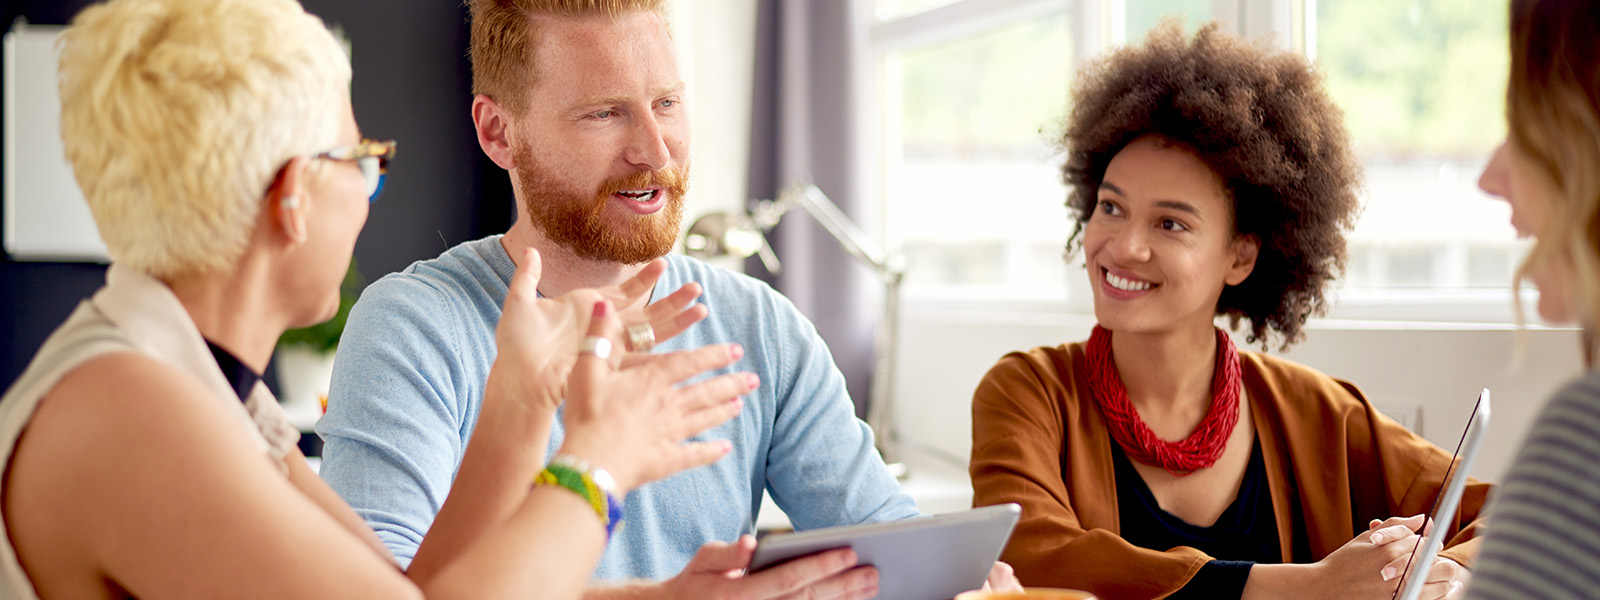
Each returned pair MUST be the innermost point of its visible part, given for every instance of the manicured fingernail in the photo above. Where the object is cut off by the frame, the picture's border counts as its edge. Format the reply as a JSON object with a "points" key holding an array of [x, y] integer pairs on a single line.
{"points": [[736, 403], [736, 351], [601, 308], [1388, 573], [752, 380], [725, 446]]}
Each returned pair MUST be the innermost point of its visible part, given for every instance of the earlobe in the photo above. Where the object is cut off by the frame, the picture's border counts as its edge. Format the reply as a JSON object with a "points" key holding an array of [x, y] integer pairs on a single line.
{"points": [[492, 125], [283, 202]]}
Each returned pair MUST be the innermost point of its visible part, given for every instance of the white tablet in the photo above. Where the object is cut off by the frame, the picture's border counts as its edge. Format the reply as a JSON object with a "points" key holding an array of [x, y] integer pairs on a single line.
{"points": [[1444, 508], [917, 559]]}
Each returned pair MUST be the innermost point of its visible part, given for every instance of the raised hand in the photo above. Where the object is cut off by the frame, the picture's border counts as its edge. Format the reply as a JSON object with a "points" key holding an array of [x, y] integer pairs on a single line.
{"points": [[632, 421], [534, 342]]}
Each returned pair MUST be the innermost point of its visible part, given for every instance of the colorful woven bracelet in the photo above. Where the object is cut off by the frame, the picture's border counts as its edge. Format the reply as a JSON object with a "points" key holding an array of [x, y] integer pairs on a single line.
{"points": [[594, 484]]}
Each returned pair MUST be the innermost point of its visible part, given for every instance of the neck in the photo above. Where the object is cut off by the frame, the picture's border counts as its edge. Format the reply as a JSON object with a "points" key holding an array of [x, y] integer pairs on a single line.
{"points": [[1167, 372], [563, 271], [236, 310]]}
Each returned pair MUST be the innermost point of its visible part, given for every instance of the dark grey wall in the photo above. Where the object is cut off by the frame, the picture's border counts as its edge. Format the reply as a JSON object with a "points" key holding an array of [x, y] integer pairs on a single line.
{"points": [[412, 83]]}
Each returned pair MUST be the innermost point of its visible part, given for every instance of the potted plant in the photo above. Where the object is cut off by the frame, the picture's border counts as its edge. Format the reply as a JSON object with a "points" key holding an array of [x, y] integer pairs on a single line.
{"points": [[304, 357]]}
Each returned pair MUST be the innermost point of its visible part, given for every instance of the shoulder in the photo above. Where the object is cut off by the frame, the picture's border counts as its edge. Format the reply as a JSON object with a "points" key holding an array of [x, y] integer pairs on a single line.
{"points": [[114, 417], [722, 285], [1044, 366], [447, 294], [1041, 381], [1291, 384], [1571, 419]]}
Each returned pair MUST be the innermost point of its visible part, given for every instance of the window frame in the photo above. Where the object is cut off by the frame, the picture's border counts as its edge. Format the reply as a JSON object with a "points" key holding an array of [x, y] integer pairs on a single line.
{"points": [[1095, 26]]}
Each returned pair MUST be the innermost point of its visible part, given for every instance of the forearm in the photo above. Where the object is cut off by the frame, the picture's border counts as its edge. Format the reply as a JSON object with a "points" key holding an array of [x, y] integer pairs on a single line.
{"points": [[637, 590], [506, 451], [548, 547], [1271, 582]]}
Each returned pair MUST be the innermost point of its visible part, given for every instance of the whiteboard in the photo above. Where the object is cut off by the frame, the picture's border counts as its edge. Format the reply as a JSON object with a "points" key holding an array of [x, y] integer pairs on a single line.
{"points": [[45, 216]]}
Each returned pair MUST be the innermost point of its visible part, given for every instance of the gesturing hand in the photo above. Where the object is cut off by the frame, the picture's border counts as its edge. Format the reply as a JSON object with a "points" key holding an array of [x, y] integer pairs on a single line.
{"points": [[534, 342], [632, 420]]}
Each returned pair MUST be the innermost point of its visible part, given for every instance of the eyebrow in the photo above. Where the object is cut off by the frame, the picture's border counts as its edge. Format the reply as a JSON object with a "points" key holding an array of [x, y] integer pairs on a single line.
{"points": [[622, 99], [1167, 204]]}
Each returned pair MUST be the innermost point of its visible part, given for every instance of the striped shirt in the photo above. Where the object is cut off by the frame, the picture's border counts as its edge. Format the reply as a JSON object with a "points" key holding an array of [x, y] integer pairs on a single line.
{"points": [[1543, 536]]}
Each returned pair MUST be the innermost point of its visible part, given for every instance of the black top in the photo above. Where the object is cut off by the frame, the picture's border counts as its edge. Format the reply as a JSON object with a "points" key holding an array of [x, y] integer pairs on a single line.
{"points": [[1245, 534], [242, 378]]}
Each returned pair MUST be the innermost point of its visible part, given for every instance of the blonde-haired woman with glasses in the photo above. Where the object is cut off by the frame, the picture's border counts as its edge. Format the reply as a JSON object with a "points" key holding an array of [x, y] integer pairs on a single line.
{"points": [[215, 143], [1545, 537]]}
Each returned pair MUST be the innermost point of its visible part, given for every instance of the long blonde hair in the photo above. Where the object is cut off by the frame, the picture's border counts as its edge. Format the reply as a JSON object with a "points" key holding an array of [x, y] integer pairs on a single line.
{"points": [[1553, 113]]}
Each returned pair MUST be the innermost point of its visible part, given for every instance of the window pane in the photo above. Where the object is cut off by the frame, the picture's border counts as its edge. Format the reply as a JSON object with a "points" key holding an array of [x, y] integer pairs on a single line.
{"points": [[973, 192], [893, 9], [1422, 86], [1144, 15]]}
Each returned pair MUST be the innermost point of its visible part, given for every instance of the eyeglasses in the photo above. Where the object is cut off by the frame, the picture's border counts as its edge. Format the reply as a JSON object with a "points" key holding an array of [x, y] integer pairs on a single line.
{"points": [[372, 157]]}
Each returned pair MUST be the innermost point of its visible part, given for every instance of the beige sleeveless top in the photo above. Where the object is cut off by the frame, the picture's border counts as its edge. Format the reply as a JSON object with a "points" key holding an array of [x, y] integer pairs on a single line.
{"points": [[132, 313]]}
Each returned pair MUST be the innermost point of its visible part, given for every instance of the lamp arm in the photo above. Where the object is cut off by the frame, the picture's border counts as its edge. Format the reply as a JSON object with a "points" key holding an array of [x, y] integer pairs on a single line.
{"points": [[844, 231]]}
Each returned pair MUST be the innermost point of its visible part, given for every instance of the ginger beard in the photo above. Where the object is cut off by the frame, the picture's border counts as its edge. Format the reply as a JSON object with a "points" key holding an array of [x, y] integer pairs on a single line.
{"points": [[579, 223]]}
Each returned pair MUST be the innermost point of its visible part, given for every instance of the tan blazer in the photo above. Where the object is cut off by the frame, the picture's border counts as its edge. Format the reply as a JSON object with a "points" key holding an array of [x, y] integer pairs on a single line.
{"points": [[1333, 463]]}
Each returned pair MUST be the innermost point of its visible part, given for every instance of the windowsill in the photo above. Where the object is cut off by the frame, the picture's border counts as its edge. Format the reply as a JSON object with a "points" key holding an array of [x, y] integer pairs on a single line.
{"points": [[1352, 309]]}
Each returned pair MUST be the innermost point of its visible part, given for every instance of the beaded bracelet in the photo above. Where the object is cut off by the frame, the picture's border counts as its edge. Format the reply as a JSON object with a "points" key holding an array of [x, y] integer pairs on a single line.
{"points": [[593, 483]]}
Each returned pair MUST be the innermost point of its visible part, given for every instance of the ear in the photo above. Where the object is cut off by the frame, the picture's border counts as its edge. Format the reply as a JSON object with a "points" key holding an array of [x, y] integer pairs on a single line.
{"points": [[1245, 250], [493, 125], [286, 202]]}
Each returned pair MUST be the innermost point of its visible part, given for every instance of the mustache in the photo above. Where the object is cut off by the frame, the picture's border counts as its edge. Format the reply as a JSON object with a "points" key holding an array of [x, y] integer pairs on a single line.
{"points": [[666, 179], [669, 181]]}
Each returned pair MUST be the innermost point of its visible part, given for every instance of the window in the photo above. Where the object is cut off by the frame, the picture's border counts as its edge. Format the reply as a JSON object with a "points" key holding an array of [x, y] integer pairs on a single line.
{"points": [[1422, 86], [970, 171], [967, 115]]}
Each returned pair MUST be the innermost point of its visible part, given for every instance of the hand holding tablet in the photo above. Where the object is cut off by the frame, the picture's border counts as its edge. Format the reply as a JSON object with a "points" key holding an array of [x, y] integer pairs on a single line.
{"points": [[916, 559]]}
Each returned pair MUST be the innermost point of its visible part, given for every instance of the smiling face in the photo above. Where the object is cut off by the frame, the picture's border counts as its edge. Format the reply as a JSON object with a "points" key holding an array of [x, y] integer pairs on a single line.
{"points": [[1160, 245], [601, 152], [1512, 176]]}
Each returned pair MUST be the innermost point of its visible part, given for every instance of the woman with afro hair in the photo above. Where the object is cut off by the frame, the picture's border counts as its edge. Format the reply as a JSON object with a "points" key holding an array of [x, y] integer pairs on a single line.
{"points": [[1209, 177]]}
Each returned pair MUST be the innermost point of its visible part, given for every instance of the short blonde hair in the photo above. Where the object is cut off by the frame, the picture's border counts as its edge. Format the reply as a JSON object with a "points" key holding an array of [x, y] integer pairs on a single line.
{"points": [[1553, 113], [504, 34], [177, 115]]}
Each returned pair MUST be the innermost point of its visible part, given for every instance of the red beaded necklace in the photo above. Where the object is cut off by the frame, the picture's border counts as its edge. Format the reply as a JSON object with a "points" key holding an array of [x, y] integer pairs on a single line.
{"points": [[1198, 451]]}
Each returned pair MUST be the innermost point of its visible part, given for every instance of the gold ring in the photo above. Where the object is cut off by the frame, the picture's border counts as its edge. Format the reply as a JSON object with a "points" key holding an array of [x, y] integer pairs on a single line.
{"points": [[642, 337]]}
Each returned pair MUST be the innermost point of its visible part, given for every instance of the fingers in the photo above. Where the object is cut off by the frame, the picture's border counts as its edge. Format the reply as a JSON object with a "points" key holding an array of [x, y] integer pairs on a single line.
{"points": [[525, 282], [1390, 529], [1443, 590], [683, 364], [1389, 534], [858, 583], [677, 312], [1003, 578], [704, 419], [686, 456], [721, 557], [590, 368], [639, 286], [810, 574]]}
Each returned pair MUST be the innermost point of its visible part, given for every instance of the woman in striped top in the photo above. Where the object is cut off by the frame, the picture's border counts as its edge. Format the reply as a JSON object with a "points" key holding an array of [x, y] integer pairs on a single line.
{"points": [[1544, 537]]}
